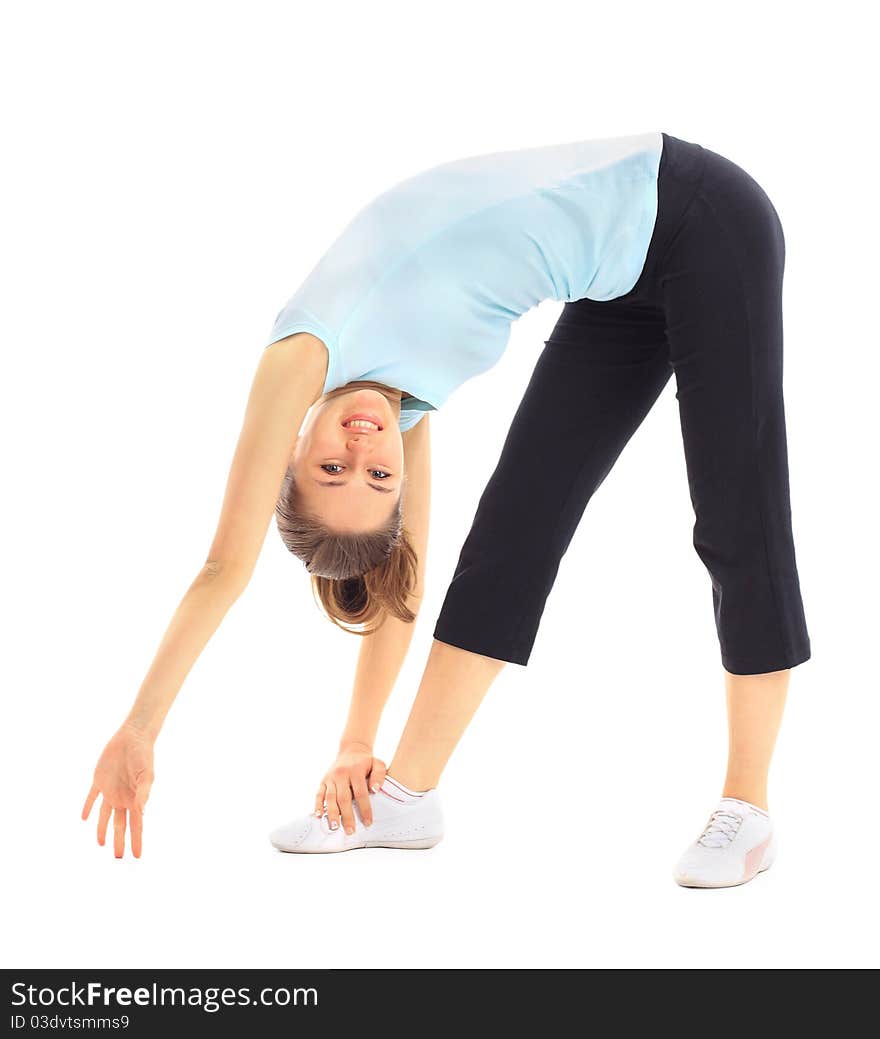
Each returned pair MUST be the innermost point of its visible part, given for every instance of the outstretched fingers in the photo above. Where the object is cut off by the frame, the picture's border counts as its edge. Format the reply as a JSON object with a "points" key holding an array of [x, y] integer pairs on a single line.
{"points": [[103, 820], [90, 800], [118, 832], [136, 824]]}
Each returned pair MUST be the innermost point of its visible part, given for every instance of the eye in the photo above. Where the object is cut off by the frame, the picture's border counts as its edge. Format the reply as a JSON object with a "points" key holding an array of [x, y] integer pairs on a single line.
{"points": [[332, 468], [379, 475]]}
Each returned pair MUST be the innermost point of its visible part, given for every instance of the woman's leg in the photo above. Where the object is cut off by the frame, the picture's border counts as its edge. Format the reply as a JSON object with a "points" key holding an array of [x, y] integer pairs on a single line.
{"points": [[722, 292], [754, 713], [721, 286], [737, 842], [452, 688]]}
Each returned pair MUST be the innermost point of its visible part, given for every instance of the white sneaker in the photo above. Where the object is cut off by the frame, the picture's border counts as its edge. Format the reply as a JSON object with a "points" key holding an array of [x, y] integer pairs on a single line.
{"points": [[736, 845], [396, 824]]}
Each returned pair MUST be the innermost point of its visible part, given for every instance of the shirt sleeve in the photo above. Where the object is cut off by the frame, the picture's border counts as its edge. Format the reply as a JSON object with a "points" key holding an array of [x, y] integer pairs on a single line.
{"points": [[408, 419]]}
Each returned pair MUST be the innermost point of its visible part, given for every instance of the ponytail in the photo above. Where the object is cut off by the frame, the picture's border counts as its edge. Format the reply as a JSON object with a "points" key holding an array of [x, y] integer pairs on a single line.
{"points": [[357, 579]]}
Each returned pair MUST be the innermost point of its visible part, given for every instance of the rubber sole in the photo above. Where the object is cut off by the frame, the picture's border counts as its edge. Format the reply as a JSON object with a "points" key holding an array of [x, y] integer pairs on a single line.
{"points": [[420, 845], [765, 865]]}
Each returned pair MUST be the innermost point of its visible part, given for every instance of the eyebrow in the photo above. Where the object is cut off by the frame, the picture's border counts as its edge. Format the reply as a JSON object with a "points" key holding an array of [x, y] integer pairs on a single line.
{"points": [[343, 483]]}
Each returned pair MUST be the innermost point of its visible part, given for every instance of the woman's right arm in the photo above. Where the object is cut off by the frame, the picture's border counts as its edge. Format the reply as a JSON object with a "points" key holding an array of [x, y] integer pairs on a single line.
{"points": [[289, 379]]}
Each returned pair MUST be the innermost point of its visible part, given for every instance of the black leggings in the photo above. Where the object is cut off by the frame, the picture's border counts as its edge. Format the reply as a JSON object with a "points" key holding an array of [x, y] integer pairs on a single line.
{"points": [[708, 307]]}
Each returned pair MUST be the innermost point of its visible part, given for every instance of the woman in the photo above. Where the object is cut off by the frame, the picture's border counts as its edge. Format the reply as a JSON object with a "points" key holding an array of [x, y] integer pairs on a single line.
{"points": [[669, 257]]}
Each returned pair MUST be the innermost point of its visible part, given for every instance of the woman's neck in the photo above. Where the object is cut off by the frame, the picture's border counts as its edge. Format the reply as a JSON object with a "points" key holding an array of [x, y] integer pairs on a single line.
{"points": [[393, 394]]}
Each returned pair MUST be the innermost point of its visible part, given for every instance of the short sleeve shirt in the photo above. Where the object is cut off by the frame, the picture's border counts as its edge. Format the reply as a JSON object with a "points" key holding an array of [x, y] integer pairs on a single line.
{"points": [[420, 289]]}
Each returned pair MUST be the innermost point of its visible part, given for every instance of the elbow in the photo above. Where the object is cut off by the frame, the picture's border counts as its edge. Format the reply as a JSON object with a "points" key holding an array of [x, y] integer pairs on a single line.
{"points": [[222, 572]]}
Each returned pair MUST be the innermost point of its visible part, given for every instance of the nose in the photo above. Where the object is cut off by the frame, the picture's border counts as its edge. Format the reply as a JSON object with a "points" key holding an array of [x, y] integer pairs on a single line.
{"points": [[359, 442]]}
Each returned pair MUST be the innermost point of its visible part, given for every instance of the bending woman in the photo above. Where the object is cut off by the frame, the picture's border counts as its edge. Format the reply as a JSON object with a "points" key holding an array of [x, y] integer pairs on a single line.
{"points": [[669, 258]]}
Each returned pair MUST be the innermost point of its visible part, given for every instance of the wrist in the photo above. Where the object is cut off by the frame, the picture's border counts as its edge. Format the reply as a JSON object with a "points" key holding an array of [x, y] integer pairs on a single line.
{"points": [[349, 743], [140, 728]]}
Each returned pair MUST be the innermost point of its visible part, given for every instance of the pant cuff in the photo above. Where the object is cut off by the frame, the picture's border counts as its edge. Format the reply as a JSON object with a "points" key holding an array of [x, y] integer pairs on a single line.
{"points": [[743, 666], [509, 653]]}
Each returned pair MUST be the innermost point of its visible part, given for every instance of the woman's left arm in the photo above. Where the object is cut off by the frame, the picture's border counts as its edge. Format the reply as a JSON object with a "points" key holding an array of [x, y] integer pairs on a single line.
{"points": [[381, 657]]}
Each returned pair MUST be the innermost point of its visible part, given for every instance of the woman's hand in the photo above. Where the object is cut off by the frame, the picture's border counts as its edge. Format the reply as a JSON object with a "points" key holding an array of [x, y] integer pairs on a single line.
{"points": [[353, 774], [123, 777]]}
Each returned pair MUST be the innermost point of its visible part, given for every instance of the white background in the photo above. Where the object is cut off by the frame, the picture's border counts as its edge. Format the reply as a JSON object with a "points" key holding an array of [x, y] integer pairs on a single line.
{"points": [[172, 172]]}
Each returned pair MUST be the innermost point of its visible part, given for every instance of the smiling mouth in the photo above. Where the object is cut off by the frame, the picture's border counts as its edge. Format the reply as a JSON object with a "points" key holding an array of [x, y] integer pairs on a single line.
{"points": [[362, 424]]}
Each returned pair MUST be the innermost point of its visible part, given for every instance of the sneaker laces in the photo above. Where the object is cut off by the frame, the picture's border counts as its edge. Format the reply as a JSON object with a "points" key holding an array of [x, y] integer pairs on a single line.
{"points": [[721, 829]]}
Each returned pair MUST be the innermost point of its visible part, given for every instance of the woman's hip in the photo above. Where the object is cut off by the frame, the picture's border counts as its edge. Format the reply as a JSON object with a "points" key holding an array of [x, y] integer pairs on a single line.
{"points": [[710, 212]]}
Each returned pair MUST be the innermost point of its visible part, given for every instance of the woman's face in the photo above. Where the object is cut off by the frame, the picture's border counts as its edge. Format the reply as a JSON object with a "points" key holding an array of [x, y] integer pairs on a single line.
{"points": [[350, 472]]}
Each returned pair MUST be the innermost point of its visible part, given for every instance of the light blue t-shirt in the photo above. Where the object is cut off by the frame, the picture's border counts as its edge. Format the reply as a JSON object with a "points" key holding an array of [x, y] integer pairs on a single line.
{"points": [[420, 289]]}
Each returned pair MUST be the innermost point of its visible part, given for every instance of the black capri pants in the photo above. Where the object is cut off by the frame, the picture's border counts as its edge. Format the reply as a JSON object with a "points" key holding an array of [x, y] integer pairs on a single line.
{"points": [[708, 308]]}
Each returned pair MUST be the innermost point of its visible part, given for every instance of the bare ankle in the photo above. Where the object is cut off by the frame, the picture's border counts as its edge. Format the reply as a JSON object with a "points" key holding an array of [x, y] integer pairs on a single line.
{"points": [[413, 778], [758, 798]]}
